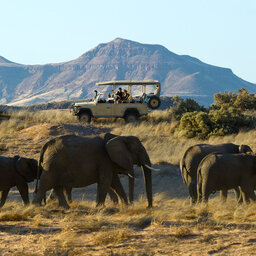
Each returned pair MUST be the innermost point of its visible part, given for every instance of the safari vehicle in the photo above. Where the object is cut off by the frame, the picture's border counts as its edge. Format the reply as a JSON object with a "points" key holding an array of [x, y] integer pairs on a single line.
{"points": [[106, 105]]}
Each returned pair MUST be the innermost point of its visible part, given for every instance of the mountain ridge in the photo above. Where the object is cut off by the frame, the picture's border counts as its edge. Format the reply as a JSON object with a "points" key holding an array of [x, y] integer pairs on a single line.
{"points": [[119, 59]]}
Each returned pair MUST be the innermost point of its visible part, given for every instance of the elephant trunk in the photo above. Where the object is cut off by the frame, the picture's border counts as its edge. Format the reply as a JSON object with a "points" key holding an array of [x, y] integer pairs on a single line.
{"points": [[145, 164], [131, 187], [148, 183]]}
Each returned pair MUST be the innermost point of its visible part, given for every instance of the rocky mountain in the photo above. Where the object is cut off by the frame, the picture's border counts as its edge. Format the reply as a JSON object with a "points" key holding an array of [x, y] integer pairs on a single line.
{"points": [[117, 60]]}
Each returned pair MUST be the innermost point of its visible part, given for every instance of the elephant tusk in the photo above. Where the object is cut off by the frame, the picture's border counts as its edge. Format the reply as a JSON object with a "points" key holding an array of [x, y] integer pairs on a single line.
{"points": [[130, 175], [152, 169]]}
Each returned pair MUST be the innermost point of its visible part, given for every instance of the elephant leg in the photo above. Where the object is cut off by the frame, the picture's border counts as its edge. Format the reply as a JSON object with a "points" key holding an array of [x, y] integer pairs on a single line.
{"points": [[113, 196], [60, 195], [101, 195], [238, 195], [245, 197], [68, 193], [250, 194], [116, 185], [199, 193], [223, 195], [248, 190], [131, 187], [3, 197], [52, 196], [102, 190], [192, 189], [205, 196], [22, 187], [45, 184], [199, 199]]}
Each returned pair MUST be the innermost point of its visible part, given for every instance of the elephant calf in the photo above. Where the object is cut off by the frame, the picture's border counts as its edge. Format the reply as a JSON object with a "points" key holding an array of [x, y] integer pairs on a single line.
{"points": [[226, 171], [16, 171]]}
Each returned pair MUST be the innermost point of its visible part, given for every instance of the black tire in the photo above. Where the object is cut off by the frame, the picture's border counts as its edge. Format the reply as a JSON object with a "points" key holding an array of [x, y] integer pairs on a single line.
{"points": [[85, 117], [154, 102], [131, 117]]}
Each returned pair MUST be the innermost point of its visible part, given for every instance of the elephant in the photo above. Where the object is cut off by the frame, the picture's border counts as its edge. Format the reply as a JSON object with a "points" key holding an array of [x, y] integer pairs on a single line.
{"points": [[16, 171], [76, 161], [193, 156], [113, 196], [226, 171]]}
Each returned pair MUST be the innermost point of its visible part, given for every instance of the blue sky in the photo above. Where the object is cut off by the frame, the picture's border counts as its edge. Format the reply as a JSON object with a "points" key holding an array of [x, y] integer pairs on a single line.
{"points": [[218, 32]]}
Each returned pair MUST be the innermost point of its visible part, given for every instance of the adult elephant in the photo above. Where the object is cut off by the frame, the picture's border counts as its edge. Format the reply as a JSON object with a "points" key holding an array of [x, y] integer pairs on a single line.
{"points": [[75, 161], [193, 156], [226, 171], [112, 194], [16, 171]]}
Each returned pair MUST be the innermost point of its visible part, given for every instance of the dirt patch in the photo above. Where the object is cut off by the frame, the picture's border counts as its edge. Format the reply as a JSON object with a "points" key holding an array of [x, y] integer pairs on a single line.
{"points": [[28, 141]]}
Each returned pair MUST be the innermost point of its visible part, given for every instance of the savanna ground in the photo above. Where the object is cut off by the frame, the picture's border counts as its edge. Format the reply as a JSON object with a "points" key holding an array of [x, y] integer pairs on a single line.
{"points": [[171, 227]]}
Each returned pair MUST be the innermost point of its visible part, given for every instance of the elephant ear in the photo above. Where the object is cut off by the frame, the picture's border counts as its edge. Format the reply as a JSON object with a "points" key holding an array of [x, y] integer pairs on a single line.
{"points": [[24, 168], [118, 152], [244, 149]]}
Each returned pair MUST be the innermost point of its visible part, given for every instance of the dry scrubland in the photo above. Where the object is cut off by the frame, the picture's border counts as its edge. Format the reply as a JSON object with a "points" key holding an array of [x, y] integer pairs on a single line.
{"points": [[172, 227]]}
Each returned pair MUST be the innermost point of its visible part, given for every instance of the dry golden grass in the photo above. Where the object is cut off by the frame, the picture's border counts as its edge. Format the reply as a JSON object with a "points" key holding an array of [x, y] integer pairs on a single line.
{"points": [[172, 227]]}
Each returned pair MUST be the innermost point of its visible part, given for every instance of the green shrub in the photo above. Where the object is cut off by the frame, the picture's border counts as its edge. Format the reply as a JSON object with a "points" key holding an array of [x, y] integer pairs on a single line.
{"points": [[217, 122], [242, 100], [181, 106], [195, 124]]}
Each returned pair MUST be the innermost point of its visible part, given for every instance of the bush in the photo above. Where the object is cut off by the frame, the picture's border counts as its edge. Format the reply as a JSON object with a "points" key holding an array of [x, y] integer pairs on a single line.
{"points": [[217, 122], [181, 106], [195, 124], [242, 100]]}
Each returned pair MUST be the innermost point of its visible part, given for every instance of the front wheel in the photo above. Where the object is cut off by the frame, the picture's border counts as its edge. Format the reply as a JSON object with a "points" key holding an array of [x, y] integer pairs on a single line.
{"points": [[85, 117]]}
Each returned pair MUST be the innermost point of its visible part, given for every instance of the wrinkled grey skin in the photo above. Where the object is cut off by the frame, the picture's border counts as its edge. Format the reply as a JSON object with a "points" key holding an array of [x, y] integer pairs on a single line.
{"points": [[16, 171], [193, 156], [74, 161], [226, 171]]}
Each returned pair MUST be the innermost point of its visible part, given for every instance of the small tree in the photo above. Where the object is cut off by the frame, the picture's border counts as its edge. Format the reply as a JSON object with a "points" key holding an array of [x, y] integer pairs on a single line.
{"points": [[195, 124], [217, 122], [242, 100], [181, 106], [222, 99]]}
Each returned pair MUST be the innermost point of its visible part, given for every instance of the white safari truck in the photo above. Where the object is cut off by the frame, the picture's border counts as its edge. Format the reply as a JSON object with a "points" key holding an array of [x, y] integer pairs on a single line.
{"points": [[106, 105]]}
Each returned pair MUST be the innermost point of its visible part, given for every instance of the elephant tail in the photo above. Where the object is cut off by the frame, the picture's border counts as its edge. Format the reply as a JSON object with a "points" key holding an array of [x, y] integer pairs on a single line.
{"points": [[40, 160], [199, 183], [183, 170]]}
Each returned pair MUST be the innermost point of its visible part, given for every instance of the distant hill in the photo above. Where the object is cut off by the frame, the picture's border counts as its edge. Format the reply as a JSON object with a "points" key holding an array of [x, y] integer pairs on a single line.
{"points": [[117, 60]]}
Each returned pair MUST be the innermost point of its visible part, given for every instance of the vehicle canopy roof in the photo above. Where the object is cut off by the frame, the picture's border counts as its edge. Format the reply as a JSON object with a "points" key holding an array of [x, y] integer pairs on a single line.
{"points": [[128, 82]]}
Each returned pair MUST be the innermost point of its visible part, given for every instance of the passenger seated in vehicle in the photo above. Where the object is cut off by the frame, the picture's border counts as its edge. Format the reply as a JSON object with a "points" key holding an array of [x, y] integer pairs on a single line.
{"points": [[110, 99], [118, 95], [126, 96]]}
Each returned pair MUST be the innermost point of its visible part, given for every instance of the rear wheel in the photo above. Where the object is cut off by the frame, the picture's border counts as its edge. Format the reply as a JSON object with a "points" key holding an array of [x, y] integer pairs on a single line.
{"points": [[85, 117], [131, 117], [154, 102]]}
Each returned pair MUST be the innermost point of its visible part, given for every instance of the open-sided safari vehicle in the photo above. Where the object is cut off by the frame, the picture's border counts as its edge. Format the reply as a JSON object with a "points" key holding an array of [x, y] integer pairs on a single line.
{"points": [[107, 104]]}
